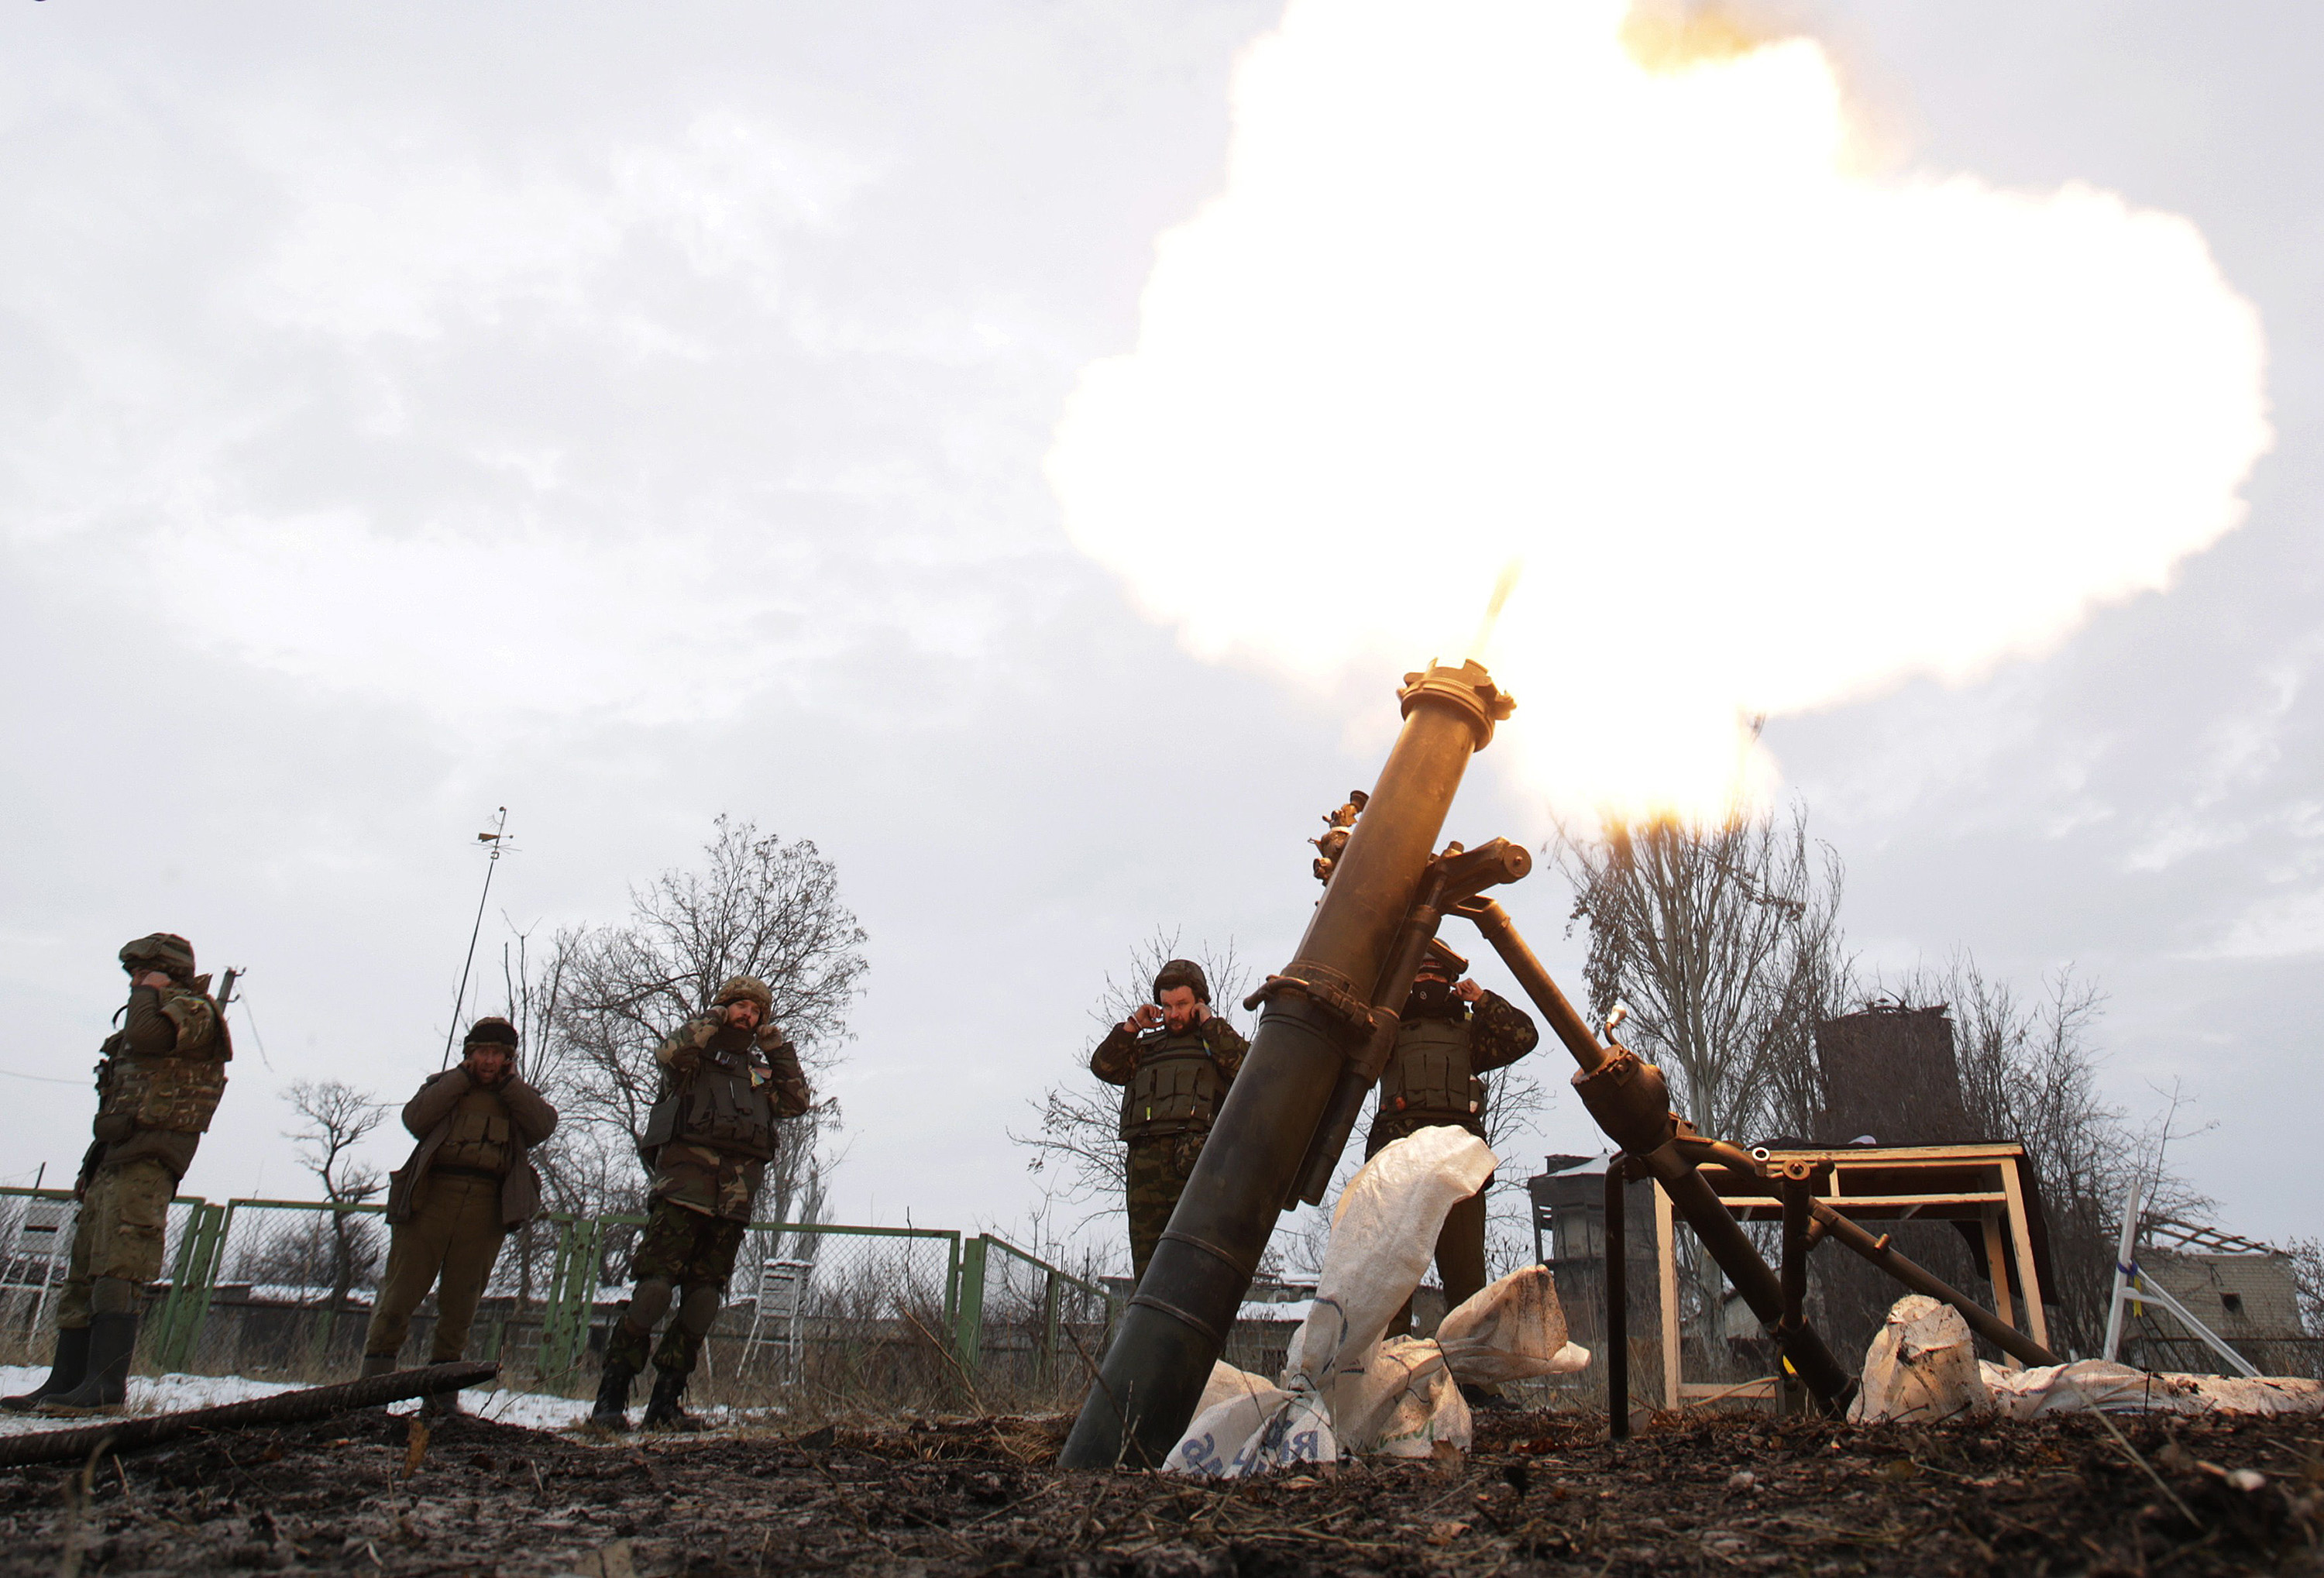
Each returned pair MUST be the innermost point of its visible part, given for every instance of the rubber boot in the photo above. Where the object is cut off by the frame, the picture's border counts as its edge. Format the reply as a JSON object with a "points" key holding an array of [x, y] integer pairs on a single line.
{"points": [[377, 1364], [613, 1409], [662, 1412], [112, 1340], [65, 1372]]}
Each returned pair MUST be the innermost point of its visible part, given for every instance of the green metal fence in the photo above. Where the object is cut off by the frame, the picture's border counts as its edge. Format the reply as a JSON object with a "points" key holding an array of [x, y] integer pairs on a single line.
{"points": [[822, 1313]]}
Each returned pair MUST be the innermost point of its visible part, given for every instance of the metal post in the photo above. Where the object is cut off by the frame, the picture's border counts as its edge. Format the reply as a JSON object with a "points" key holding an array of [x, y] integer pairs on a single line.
{"points": [[1617, 1301], [1318, 1014], [968, 1321], [2126, 1267]]}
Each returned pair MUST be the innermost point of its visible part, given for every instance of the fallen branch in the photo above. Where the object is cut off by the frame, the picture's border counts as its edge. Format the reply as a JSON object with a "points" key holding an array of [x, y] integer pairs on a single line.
{"points": [[294, 1407]]}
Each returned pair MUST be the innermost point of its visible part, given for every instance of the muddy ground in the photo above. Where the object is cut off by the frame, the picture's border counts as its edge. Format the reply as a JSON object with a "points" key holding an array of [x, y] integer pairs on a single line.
{"points": [[1541, 1493]]}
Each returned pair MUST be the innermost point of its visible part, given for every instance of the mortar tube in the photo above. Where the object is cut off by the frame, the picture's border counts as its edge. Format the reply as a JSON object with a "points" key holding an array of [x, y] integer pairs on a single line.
{"points": [[1363, 1070], [1177, 1322]]}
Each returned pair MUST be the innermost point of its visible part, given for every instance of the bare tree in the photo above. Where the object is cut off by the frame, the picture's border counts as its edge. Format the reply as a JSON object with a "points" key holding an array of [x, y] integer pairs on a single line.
{"points": [[1722, 938], [608, 996], [1077, 1141], [337, 1118]]}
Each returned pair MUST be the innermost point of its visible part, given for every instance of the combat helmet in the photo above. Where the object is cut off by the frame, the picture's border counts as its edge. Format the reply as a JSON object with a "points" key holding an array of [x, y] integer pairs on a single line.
{"points": [[745, 989], [165, 951], [490, 1031], [1440, 959], [1181, 972]]}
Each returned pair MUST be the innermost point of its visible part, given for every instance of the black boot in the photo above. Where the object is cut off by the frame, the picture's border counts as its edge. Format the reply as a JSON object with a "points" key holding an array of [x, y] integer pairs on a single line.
{"points": [[377, 1364], [104, 1385], [613, 1409], [662, 1412], [65, 1372]]}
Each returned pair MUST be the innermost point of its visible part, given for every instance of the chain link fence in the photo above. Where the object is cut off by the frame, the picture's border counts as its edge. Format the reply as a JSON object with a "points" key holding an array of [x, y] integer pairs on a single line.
{"points": [[820, 1318]]}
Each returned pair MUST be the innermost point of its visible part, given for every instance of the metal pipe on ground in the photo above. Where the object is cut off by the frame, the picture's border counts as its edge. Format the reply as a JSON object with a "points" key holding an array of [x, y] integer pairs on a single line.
{"points": [[135, 1432], [1920, 1279], [1317, 1013]]}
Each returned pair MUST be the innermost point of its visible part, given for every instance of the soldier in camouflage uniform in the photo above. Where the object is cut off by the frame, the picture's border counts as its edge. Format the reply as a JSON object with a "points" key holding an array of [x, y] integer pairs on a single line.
{"points": [[468, 1185], [728, 1075], [162, 1074], [1452, 1032], [1175, 1059]]}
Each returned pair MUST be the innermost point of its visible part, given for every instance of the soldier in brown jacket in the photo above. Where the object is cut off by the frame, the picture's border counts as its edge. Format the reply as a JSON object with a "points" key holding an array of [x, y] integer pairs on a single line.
{"points": [[729, 1076], [162, 1074], [466, 1186]]}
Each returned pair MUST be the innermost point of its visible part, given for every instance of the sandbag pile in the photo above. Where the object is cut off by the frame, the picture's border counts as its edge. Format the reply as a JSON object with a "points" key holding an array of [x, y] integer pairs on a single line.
{"points": [[1922, 1367], [1342, 1388]]}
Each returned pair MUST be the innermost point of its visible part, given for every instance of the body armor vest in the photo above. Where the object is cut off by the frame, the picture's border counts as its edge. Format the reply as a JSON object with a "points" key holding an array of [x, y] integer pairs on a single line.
{"points": [[1429, 1073], [176, 1092], [1176, 1086], [480, 1137], [724, 1105]]}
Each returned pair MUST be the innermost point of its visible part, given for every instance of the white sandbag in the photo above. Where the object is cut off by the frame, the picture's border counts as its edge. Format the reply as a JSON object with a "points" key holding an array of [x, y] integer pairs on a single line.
{"points": [[1248, 1430], [1405, 1405], [1511, 1330], [1383, 1234], [1227, 1384], [1921, 1366], [2117, 1389]]}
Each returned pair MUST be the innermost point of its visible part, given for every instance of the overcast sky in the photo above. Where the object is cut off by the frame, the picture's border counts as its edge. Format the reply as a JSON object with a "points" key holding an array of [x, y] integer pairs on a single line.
{"points": [[407, 412]]}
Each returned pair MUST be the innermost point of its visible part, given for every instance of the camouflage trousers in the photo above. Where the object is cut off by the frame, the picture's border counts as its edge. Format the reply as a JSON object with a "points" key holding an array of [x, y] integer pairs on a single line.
{"points": [[456, 1232], [679, 1248], [1159, 1171], [123, 1222]]}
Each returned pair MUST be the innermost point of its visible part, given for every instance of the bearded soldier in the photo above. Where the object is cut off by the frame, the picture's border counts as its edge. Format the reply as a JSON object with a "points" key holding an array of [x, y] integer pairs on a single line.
{"points": [[468, 1185], [728, 1075], [1452, 1033], [162, 1074], [1175, 1059]]}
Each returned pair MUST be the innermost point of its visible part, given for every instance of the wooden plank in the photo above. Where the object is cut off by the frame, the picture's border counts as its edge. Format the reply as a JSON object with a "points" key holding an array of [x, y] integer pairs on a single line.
{"points": [[1867, 1204], [2037, 1322], [1997, 1268], [1667, 1238], [1760, 1391]]}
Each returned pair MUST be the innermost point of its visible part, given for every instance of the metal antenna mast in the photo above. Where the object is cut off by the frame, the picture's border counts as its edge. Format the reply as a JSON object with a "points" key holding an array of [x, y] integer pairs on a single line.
{"points": [[496, 838]]}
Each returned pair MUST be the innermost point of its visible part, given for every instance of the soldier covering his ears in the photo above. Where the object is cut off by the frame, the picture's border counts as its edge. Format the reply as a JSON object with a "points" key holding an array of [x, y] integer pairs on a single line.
{"points": [[728, 1076], [1175, 1059], [162, 1074], [466, 1187]]}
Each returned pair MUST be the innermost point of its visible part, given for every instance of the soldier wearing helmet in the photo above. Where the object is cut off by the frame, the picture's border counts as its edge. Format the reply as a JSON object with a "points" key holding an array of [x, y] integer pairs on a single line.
{"points": [[729, 1075], [159, 1081], [1174, 1060], [1452, 1032], [468, 1185]]}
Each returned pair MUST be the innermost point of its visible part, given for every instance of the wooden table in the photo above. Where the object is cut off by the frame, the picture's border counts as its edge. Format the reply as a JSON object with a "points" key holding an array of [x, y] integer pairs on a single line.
{"points": [[1988, 1184]]}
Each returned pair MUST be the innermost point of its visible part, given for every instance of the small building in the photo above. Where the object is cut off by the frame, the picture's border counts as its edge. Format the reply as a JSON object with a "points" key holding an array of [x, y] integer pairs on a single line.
{"points": [[2246, 1291], [1569, 1227]]}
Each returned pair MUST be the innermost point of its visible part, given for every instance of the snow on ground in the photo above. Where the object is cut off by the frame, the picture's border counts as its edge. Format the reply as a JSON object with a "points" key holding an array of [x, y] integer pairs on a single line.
{"points": [[166, 1394]]}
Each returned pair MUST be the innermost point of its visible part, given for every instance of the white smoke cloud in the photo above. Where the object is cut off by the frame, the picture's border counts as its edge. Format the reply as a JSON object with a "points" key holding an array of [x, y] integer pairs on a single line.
{"points": [[1769, 432]]}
